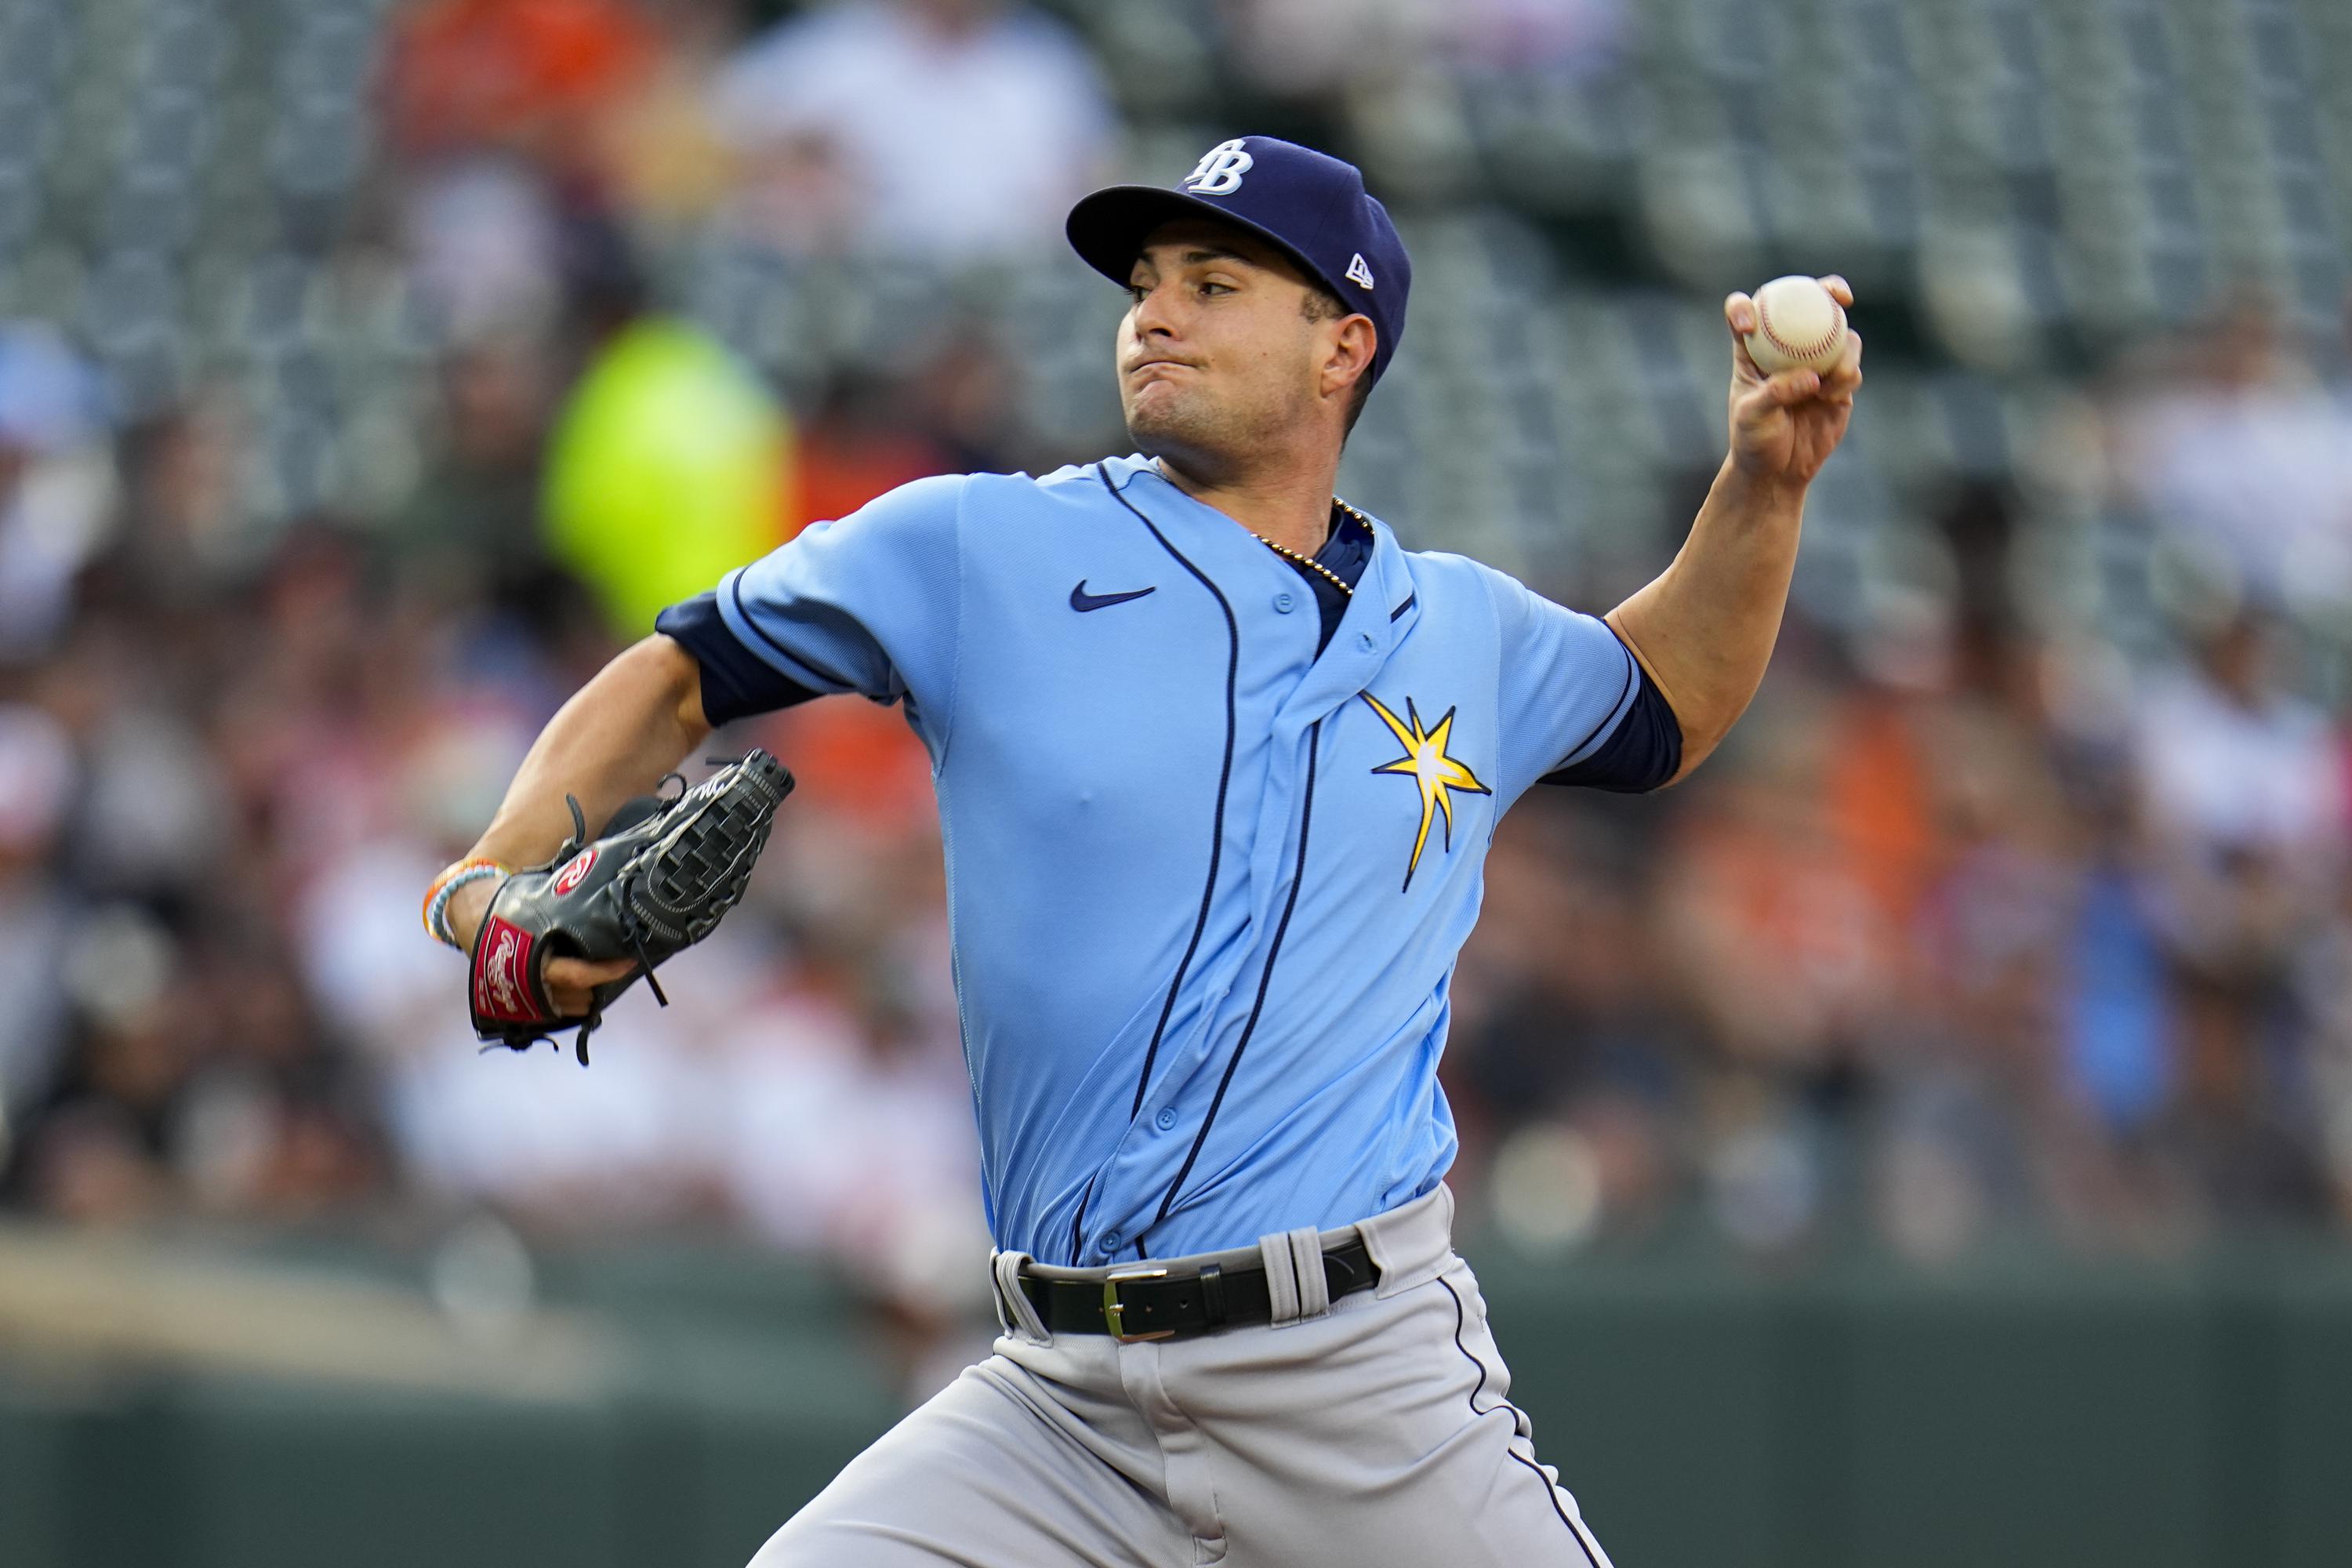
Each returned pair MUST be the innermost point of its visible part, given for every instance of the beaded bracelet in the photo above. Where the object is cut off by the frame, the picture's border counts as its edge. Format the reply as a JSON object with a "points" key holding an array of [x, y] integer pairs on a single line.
{"points": [[436, 897]]}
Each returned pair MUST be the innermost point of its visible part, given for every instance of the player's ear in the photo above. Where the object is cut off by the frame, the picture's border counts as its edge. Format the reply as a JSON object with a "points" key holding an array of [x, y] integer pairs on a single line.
{"points": [[1354, 342]]}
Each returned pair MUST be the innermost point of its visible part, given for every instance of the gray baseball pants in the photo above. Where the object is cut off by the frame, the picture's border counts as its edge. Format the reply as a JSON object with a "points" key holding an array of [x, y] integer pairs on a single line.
{"points": [[1372, 1429]]}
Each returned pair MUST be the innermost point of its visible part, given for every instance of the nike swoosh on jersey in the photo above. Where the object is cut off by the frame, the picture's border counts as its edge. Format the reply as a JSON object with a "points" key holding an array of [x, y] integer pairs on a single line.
{"points": [[1082, 601]]}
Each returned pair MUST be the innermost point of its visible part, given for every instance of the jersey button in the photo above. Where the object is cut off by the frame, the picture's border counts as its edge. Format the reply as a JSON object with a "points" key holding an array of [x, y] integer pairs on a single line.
{"points": [[1286, 601], [1166, 1119], [1364, 641], [1111, 1239]]}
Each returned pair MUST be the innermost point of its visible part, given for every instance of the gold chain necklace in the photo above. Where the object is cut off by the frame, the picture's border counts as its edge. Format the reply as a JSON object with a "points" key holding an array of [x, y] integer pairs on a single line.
{"points": [[1312, 565]]}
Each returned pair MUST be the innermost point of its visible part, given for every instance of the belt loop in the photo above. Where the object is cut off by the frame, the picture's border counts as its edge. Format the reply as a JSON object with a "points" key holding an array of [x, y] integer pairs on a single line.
{"points": [[1307, 1263], [1411, 1244], [1212, 1296], [1013, 1308], [1281, 1284], [1296, 1286]]}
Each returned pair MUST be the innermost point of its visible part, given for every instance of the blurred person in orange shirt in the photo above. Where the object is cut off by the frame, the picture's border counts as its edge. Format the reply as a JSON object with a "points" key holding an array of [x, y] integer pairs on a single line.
{"points": [[1777, 939], [528, 74]]}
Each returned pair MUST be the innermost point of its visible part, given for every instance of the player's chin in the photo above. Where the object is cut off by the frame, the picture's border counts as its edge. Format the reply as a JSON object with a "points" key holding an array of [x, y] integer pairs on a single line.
{"points": [[1161, 415]]}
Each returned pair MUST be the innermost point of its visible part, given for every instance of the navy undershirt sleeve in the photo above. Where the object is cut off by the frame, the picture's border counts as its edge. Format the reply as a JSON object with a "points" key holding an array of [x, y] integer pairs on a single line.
{"points": [[1641, 753], [735, 682]]}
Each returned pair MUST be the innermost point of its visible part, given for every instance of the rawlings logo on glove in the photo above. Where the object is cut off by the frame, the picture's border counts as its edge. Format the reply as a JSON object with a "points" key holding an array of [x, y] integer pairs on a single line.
{"points": [[499, 980], [570, 875], [655, 882]]}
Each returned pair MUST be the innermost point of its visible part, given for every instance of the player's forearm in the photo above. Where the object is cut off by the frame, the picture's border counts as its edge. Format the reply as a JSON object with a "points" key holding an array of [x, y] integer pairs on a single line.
{"points": [[1705, 628], [610, 744]]}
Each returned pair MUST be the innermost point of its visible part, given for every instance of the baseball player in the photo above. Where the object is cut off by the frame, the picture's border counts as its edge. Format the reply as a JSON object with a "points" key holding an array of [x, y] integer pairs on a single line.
{"points": [[1218, 763]]}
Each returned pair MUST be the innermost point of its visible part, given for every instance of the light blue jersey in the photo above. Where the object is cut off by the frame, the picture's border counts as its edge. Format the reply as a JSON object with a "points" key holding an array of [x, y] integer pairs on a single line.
{"points": [[1206, 886]]}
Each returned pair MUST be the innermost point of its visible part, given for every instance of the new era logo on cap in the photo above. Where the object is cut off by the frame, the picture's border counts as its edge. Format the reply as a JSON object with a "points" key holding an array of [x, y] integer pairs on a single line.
{"points": [[1311, 205]]}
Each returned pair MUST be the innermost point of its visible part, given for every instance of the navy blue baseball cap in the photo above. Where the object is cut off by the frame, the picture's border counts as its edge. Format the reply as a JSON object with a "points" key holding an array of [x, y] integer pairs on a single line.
{"points": [[1309, 206]]}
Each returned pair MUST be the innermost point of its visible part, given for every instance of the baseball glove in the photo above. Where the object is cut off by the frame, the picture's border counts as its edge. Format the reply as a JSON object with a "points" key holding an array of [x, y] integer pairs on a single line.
{"points": [[654, 882]]}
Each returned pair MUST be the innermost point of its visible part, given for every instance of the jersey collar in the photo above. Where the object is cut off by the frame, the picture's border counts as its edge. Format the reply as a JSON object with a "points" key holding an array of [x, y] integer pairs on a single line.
{"points": [[1380, 612], [1384, 580]]}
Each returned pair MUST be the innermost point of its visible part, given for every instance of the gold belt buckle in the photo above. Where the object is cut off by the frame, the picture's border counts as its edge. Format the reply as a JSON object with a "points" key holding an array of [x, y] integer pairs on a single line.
{"points": [[1114, 1313]]}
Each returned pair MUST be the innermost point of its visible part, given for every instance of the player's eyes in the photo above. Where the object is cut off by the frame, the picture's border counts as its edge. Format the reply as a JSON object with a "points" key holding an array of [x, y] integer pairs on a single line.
{"points": [[1137, 291]]}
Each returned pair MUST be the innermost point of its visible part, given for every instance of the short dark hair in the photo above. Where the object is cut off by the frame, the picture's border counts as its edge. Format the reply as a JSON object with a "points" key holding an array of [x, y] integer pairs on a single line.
{"points": [[1322, 305]]}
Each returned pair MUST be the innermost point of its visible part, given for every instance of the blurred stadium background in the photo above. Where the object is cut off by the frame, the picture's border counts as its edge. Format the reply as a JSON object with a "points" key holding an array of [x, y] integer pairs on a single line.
{"points": [[1925, 1139]]}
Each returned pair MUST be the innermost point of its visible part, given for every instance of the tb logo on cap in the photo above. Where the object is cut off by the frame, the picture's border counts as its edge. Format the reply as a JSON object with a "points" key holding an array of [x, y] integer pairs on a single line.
{"points": [[1219, 172]]}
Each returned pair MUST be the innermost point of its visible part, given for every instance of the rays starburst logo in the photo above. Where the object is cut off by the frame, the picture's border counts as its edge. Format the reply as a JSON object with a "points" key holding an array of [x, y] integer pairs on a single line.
{"points": [[1424, 761]]}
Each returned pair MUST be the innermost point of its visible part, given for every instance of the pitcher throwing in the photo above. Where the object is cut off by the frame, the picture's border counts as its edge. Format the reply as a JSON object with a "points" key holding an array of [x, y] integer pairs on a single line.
{"points": [[1218, 765]]}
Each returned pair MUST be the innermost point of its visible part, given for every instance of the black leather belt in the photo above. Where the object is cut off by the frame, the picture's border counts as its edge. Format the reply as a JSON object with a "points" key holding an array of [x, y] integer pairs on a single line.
{"points": [[1148, 1302]]}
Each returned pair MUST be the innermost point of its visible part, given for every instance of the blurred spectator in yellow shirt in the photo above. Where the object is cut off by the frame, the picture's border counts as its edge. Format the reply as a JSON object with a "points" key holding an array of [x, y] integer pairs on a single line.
{"points": [[669, 462]]}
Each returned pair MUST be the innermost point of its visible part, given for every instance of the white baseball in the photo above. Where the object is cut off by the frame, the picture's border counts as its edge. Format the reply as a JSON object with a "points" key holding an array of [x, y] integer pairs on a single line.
{"points": [[1798, 326]]}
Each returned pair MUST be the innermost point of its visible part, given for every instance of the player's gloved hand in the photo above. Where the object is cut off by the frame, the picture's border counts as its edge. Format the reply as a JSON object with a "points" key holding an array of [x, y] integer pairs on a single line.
{"points": [[1784, 426], [562, 940], [570, 982]]}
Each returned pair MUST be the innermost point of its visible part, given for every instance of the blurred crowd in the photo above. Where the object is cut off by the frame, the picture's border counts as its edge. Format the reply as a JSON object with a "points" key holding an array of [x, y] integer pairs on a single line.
{"points": [[1983, 925]]}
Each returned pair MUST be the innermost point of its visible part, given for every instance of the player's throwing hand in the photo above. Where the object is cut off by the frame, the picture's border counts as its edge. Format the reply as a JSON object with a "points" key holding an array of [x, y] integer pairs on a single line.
{"points": [[1785, 426]]}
